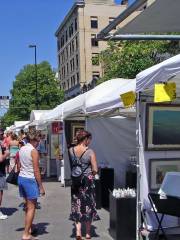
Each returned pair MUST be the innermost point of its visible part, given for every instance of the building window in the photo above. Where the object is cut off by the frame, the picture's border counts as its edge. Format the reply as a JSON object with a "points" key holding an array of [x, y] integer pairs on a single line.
{"points": [[95, 59], [111, 19], [77, 61], [67, 68], [73, 64], [72, 46], [75, 24], [95, 75], [94, 42], [94, 22], [68, 83], [71, 30], [58, 45], [62, 41], [77, 78], [77, 45], [59, 60], [67, 53], [66, 36]]}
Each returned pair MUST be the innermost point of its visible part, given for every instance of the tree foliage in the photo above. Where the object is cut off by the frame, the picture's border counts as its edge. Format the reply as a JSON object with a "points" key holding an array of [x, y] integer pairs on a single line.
{"points": [[23, 93], [125, 59]]}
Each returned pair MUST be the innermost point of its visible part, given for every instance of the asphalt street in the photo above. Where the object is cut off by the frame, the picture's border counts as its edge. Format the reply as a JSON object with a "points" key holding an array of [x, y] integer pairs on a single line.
{"points": [[52, 219]]}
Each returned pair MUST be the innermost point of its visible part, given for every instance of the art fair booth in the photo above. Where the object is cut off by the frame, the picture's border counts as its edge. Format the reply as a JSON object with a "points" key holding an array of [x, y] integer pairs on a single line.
{"points": [[113, 127], [158, 135]]}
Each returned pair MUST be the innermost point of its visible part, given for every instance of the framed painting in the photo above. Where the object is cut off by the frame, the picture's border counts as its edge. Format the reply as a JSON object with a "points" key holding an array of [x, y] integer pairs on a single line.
{"points": [[162, 127], [75, 127], [158, 169]]}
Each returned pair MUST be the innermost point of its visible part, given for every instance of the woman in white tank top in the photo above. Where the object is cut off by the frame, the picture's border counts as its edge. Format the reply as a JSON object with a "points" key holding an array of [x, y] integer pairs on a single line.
{"points": [[29, 180]]}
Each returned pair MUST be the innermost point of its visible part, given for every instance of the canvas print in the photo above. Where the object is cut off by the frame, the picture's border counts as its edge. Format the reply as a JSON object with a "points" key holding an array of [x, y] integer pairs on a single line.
{"points": [[158, 169], [163, 127], [75, 128]]}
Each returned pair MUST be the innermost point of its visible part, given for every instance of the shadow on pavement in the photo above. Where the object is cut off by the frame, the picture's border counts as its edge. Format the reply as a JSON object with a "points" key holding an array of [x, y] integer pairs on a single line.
{"points": [[38, 229], [9, 211], [93, 231]]}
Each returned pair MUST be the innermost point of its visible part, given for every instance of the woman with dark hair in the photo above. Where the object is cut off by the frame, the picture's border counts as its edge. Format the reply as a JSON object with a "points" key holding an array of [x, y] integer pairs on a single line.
{"points": [[29, 180], [83, 206]]}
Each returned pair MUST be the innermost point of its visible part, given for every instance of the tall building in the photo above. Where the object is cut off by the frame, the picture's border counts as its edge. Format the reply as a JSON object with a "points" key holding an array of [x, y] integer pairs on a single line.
{"points": [[77, 49]]}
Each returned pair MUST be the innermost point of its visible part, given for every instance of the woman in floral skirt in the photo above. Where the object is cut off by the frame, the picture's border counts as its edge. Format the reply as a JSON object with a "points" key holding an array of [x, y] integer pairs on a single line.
{"points": [[83, 206]]}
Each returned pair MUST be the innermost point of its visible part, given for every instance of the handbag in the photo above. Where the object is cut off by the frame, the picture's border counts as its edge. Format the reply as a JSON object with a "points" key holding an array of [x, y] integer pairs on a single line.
{"points": [[13, 177]]}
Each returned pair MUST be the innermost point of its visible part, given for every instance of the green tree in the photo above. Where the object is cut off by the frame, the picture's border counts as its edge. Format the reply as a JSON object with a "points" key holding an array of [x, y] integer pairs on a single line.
{"points": [[125, 59], [23, 93]]}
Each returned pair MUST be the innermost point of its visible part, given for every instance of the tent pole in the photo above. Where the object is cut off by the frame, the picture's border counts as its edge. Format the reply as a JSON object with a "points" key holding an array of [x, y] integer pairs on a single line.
{"points": [[138, 202]]}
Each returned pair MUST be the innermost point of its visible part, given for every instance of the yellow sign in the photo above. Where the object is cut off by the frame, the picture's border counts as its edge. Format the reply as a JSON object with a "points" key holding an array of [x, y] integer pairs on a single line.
{"points": [[128, 98], [165, 92]]}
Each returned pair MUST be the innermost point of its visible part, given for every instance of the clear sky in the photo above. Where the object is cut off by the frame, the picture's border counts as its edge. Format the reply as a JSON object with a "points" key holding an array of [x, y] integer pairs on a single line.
{"points": [[24, 22]]}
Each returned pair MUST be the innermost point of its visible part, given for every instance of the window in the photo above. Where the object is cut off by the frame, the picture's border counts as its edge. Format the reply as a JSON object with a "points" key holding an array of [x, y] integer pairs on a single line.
{"points": [[58, 45], [59, 60], [68, 83], [72, 46], [95, 75], [95, 59], [94, 42], [71, 30], [77, 77], [77, 61], [111, 19], [75, 24], [77, 45], [73, 65], [94, 22], [62, 41], [67, 68], [67, 53], [66, 35]]}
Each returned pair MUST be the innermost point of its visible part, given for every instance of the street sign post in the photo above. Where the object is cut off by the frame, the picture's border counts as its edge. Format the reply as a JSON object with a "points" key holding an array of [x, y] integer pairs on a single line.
{"points": [[4, 101]]}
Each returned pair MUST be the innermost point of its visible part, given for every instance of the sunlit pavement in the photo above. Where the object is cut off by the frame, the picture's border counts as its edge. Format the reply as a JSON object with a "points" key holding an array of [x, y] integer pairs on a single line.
{"points": [[52, 219]]}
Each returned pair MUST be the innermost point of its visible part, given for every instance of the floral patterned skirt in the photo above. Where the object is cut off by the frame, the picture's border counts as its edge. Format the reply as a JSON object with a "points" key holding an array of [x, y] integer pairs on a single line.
{"points": [[83, 205]]}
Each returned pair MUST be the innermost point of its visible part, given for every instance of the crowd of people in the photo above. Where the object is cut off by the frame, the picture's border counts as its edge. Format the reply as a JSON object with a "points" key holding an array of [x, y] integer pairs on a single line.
{"points": [[25, 152]]}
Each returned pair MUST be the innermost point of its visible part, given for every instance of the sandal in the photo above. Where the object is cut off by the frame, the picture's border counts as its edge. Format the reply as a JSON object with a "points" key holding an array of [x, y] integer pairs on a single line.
{"points": [[78, 238]]}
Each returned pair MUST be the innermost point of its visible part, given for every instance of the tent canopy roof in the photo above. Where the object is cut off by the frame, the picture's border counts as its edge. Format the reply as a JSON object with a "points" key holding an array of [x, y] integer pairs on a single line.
{"points": [[102, 98], [161, 72], [162, 16], [35, 114]]}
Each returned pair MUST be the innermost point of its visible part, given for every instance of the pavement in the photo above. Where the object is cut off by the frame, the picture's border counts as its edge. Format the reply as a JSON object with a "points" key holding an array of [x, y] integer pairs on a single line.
{"points": [[51, 220]]}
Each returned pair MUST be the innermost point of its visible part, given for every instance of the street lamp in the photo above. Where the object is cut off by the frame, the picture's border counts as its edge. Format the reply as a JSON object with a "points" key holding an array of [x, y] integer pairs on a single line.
{"points": [[35, 61]]}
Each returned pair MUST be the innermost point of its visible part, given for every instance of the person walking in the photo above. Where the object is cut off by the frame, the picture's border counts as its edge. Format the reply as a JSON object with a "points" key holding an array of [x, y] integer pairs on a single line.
{"points": [[13, 149], [29, 180], [83, 206], [3, 185]]}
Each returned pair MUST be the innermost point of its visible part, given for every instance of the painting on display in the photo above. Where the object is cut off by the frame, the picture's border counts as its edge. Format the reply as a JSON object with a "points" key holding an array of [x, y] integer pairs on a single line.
{"points": [[75, 127], [162, 127], [158, 169]]}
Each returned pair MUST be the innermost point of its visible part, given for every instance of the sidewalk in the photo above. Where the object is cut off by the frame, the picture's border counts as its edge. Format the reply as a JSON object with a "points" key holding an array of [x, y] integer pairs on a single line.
{"points": [[52, 218]]}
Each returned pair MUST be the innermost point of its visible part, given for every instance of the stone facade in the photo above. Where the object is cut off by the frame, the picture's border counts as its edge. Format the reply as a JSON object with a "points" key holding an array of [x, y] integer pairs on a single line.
{"points": [[78, 51]]}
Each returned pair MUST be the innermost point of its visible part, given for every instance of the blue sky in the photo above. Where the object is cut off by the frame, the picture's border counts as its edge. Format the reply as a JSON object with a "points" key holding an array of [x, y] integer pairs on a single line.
{"points": [[23, 23]]}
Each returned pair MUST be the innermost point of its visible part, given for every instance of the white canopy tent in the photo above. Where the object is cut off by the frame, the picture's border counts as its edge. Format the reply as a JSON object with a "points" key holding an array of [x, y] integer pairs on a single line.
{"points": [[103, 98], [19, 125], [35, 117], [94, 106]]}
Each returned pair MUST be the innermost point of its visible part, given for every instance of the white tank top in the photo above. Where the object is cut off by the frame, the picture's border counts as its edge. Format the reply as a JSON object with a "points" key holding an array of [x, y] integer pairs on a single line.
{"points": [[25, 158]]}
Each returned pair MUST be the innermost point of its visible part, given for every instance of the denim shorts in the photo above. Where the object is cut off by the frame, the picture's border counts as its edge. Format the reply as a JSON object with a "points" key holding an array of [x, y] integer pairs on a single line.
{"points": [[28, 188]]}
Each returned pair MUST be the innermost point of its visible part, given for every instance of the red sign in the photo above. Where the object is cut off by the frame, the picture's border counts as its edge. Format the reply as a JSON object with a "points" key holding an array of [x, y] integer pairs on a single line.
{"points": [[57, 127]]}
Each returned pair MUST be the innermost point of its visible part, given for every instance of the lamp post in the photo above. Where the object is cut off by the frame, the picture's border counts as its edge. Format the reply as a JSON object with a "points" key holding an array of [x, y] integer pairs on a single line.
{"points": [[35, 64]]}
